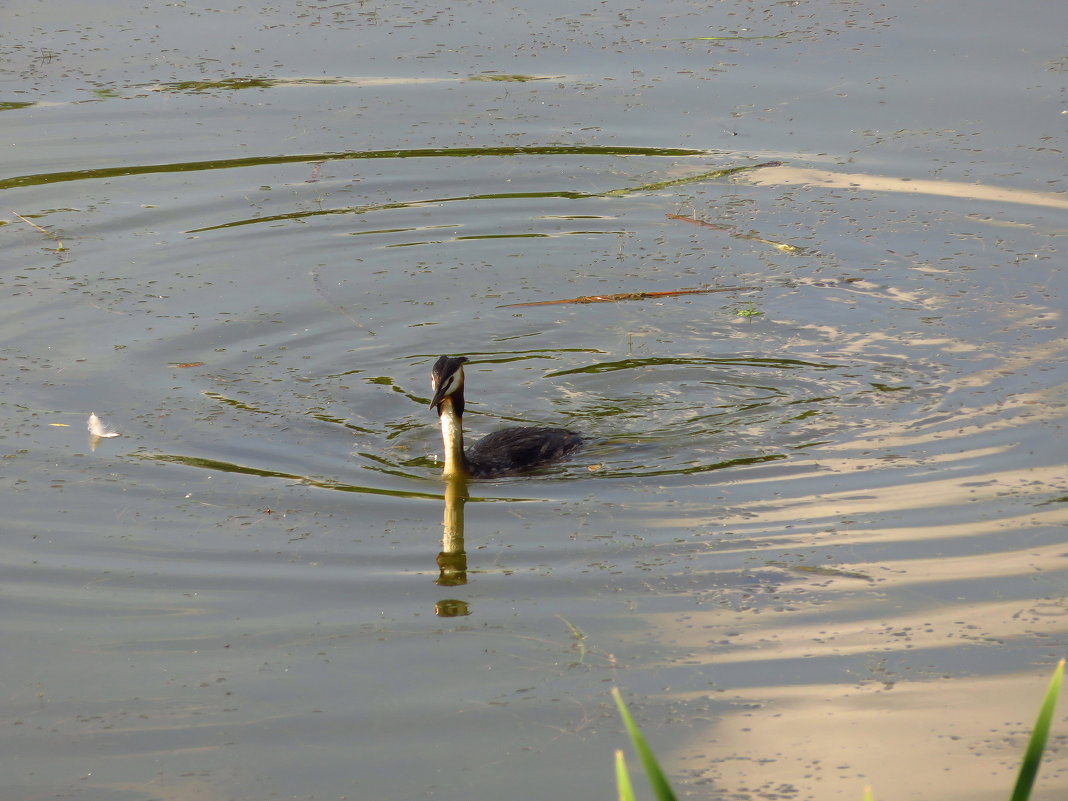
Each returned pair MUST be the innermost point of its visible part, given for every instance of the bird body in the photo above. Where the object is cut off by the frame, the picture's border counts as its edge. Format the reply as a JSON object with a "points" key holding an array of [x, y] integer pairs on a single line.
{"points": [[502, 453]]}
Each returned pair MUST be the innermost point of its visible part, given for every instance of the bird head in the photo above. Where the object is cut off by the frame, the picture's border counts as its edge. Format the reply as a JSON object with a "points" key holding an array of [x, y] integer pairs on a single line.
{"points": [[447, 381]]}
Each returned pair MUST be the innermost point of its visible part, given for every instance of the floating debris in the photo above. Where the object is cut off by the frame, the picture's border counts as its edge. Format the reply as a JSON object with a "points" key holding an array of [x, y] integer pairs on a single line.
{"points": [[704, 176], [98, 429], [631, 296], [726, 228], [45, 231]]}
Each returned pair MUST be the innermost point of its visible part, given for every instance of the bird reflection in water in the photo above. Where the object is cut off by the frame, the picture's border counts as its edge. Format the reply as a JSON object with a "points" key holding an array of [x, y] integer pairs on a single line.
{"points": [[511, 451]]}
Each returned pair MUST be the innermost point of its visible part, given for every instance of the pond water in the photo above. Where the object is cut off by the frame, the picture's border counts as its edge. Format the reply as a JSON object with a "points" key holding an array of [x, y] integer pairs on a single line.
{"points": [[817, 534]]}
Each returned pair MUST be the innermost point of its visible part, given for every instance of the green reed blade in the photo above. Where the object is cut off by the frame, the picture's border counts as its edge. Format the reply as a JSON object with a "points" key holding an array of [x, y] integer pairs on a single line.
{"points": [[625, 790], [1037, 744], [657, 781]]}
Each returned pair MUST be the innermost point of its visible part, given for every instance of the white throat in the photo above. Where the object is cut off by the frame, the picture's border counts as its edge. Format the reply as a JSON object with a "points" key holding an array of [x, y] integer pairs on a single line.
{"points": [[453, 437]]}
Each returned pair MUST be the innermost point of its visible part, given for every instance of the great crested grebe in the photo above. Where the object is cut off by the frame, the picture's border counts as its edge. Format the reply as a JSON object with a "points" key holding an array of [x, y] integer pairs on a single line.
{"points": [[502, 453]]}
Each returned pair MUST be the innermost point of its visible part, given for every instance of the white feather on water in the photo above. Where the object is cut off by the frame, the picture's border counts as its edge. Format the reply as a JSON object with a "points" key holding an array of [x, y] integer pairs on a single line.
{"points": [[98, 429]]}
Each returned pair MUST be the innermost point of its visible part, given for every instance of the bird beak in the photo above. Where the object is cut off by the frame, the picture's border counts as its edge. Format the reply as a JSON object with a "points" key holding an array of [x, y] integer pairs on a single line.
{"points": [[439, 396], [447, 387]]}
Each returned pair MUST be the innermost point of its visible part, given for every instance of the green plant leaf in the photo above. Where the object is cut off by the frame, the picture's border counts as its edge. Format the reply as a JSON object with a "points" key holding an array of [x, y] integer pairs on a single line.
{"points": [[657, 781], [1037, 744], [624, 788]]}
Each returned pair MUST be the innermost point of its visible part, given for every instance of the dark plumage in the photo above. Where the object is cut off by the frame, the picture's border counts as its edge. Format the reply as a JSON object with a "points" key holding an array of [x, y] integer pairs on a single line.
{"points": [[502, 453]]}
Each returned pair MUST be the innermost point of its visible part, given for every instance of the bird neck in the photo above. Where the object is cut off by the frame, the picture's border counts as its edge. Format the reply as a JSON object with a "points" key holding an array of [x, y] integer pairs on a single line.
{"points": [[452, 434]]}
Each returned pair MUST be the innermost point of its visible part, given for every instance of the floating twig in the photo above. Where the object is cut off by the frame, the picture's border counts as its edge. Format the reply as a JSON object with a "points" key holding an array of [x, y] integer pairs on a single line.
{"points": [[318, 284], [631, 296], [700, 223], [45, 231], [704, 176], [794, 249], [782, 35]]}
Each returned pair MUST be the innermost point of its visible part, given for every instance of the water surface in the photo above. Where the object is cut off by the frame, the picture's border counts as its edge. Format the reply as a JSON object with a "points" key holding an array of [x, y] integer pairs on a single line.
{"points": [[818, 532]]}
